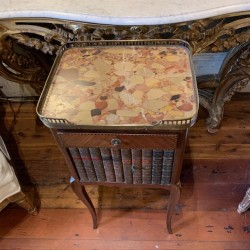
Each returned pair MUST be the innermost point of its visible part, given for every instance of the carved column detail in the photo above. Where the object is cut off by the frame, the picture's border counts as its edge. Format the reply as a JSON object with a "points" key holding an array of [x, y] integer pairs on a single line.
{"points": [[234, 76]]}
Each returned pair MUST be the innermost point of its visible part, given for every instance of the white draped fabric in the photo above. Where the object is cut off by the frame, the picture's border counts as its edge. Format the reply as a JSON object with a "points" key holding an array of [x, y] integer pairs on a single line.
{"points": [[8, 182]]}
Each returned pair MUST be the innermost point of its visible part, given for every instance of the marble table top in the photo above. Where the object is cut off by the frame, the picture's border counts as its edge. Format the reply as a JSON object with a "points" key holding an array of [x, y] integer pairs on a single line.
{"points": [[127, 85], [122, 12]]}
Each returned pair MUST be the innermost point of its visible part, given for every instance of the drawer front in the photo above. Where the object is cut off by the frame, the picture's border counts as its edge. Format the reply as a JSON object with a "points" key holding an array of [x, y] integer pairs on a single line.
{"points": [[121, 158], [110, 140]]}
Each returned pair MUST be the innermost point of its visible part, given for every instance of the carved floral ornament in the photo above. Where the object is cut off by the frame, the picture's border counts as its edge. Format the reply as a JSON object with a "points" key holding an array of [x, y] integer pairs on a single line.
{"points": [[204, 35]]}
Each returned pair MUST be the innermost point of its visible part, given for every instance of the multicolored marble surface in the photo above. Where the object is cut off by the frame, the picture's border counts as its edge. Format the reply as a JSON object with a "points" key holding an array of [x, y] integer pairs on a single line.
{"points": [[128, 85]]}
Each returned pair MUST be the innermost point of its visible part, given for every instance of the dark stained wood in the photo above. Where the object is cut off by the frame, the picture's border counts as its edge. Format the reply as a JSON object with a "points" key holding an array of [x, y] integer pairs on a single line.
{"points": [[174, 140], [172, 202], [80, 191], [156, 141]]}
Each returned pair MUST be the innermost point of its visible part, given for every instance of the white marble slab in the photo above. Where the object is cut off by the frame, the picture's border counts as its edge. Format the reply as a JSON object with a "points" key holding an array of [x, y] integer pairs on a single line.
{"points": [[122, 12]]}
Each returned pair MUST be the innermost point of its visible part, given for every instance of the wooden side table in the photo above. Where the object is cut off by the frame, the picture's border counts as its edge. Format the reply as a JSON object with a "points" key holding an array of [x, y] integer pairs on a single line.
{"points": [[120, 113]]}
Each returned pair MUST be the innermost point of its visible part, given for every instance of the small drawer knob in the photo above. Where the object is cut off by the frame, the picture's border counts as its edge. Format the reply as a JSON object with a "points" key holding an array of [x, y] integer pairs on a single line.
{"points": [[116, 142]]}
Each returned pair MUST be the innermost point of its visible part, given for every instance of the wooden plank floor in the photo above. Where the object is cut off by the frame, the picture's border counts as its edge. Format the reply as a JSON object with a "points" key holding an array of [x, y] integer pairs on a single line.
{"points": [[215, 176], [122, 229]]}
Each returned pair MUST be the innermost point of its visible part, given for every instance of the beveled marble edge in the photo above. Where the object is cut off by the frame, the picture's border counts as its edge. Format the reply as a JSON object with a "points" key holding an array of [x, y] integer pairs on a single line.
{"points": [[122, 12]]}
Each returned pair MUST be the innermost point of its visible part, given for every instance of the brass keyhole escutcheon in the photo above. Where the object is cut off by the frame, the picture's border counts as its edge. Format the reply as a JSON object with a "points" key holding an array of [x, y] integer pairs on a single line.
{"points": [[116, 142]]}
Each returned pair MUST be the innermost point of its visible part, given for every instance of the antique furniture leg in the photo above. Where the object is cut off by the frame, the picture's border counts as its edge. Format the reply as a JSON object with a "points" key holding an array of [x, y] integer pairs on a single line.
{"points": [[176, 185], [245, 204], [23, 201], [10, 190], [234, 75], [173, 199], [80, 191]]}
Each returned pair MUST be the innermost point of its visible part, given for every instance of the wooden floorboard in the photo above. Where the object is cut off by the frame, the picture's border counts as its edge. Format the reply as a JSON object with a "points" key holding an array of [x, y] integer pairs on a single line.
{"points": [[206, 184], [123, 229]]}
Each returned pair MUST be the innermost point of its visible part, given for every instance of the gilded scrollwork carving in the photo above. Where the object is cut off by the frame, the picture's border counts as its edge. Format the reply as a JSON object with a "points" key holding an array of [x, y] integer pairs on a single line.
{"points": [[208, 35], [203, 35], [18, 64], [27, 53], [234, 76]]}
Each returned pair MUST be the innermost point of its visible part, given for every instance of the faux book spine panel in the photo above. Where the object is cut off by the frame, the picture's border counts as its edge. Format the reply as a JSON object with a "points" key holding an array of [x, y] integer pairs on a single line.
{"points": [[80, 167], [167, 165], [136, 166], [108, 164], [88, 164], [131, 166], [147, 160], [117, 163], [157, 166], [127, 165]]}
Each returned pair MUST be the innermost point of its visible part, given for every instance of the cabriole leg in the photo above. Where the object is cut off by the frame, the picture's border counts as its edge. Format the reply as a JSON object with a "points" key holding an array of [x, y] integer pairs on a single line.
{"points": [[173, 199], [80, 191]]}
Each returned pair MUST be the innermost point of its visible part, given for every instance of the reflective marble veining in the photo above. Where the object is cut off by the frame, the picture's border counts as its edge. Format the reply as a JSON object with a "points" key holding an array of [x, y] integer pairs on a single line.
{"points": [[125, 85]]}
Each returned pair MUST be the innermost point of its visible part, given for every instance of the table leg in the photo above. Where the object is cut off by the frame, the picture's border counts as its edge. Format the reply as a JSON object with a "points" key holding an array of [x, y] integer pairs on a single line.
{"points": [[80, 191], [234, 75], [245, 204], [173, 199], [23, 201]]}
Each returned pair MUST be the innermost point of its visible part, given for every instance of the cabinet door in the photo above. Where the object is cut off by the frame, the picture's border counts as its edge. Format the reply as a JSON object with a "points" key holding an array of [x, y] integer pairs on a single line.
{"points": [[121, 158]]}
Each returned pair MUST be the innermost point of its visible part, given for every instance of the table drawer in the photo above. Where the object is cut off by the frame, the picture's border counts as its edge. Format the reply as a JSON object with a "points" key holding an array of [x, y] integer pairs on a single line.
{"points": [[150, 141]]}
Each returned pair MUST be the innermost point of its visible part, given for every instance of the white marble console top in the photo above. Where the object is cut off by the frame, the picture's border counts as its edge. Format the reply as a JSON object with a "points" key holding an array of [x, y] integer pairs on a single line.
{"points": [[122, 12]]}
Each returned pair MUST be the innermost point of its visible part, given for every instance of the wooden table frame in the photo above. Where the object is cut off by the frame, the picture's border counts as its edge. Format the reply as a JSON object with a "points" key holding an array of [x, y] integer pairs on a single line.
{"points": [[64, 140]]}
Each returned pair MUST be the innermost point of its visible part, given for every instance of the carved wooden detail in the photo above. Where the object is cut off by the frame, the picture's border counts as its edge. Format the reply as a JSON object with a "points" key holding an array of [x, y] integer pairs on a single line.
{"points": [[28, 48], [234, 75], [22, 200]]}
